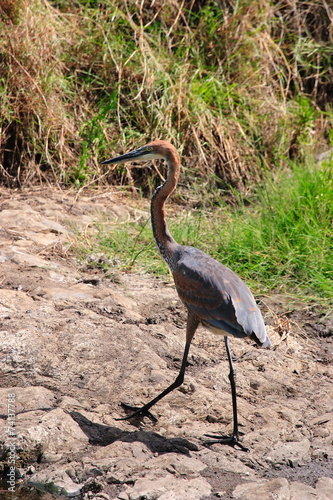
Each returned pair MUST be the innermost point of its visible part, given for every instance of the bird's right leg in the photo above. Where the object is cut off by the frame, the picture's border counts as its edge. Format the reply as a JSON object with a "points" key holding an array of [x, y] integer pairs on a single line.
{"points": [[191, 326], [234, 439], [144, 410]]}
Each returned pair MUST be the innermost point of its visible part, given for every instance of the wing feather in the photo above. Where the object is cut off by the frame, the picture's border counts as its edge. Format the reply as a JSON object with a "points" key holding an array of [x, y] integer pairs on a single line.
{"points": [[217, 296]]}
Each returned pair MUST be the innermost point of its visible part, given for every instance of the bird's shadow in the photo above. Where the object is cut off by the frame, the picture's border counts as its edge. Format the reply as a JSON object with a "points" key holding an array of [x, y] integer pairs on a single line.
{"points": [[103, 435]]}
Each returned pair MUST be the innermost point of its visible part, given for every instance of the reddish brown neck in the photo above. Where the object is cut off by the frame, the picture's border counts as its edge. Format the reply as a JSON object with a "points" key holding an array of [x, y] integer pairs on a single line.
{"points": [[163, 238]]}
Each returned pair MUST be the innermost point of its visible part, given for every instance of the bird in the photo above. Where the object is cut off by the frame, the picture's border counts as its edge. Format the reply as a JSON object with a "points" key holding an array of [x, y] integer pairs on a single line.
{"points": [[214, 296]]}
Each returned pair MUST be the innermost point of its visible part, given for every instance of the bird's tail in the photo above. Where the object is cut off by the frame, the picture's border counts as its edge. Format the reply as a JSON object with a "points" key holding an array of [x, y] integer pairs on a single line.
{"points": [[267, 343]]}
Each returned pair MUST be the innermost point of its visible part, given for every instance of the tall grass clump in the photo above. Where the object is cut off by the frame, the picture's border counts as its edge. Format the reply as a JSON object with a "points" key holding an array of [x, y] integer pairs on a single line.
{"points": [[279, 239], [224, 81], [285, 240], [36, 126]]}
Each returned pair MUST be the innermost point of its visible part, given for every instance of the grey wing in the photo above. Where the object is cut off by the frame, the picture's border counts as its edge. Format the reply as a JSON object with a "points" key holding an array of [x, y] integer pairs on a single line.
{"points": [[217, 296]]}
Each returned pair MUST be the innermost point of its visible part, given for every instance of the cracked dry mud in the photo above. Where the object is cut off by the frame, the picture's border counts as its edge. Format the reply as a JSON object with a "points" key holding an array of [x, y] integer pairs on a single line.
{"points": [[75, 343]]}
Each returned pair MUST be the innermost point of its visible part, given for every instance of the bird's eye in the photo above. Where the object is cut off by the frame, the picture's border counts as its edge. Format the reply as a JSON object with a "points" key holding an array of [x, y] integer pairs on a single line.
{"points": [[149, 149]]}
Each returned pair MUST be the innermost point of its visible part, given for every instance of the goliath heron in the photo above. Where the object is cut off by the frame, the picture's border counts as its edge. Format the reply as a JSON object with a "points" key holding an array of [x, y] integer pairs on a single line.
{"points": [[214, 295]]}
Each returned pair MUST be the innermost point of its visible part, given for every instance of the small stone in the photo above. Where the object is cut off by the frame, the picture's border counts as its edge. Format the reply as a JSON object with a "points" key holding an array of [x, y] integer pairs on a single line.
{"points": [[100, 496], [48, 457], [56, 481], [116, 478], [293, 453], [168, 488], [275, 489], [122, 496], [324, 487], [301, 491]]}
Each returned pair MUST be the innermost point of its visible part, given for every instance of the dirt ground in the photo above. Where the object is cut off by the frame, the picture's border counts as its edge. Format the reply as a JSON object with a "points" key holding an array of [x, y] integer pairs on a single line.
{"points": [[75, 343]]}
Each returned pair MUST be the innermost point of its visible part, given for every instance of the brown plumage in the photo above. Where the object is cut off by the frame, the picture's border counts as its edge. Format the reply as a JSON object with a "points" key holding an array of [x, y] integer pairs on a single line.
{"points": [[213, 294]]}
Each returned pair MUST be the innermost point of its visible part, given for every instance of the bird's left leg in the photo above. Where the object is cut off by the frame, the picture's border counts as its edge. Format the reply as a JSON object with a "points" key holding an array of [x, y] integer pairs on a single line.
{"points": [[191, 326], [234, 439]]}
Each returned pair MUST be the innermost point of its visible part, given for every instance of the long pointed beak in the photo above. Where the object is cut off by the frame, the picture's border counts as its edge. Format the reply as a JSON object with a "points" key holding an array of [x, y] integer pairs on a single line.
{"points": [[137, 154]]}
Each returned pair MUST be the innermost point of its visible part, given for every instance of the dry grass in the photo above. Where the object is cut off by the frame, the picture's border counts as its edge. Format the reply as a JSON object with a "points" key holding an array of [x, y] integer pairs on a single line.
{"points": [[238, 87], [36, 128]]}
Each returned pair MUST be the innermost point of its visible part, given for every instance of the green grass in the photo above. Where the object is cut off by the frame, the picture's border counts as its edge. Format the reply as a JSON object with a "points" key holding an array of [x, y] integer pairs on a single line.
{"points": [[281, 239], [285, 241]]}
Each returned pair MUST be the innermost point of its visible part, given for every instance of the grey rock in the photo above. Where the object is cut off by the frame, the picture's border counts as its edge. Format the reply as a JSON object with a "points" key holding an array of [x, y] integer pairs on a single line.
{"points": [[275, 489], [22, 258], [28, 399], [292, 453], [324, 488], [75, 293], [300, 491], [73, 344], [101, 496], [56, 480], [15, 300], [169, 488], [51, 432]]}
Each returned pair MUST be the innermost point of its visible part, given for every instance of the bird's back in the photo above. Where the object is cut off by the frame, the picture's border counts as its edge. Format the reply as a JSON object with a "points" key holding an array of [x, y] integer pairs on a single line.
{"points": [[216, 295]]}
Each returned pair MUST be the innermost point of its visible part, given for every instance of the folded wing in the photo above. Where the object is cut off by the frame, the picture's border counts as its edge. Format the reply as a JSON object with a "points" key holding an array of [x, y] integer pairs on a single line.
{"points": [[217, 296]]}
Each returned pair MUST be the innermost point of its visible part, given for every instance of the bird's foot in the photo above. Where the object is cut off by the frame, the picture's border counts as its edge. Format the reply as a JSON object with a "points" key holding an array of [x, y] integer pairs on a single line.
{"points": [[229, 440], [137, 412]]}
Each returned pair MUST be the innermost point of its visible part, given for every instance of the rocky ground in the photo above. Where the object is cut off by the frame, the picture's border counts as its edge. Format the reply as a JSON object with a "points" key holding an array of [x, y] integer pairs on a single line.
{"points": [[74, 343]]}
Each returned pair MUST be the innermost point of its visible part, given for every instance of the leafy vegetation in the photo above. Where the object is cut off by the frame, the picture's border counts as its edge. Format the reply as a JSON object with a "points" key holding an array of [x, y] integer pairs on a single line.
{"points": [[242, 88], [279, 239], [239, 87]]}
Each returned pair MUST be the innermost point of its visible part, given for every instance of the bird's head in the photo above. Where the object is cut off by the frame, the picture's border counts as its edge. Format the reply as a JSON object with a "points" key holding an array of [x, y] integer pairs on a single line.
{"points": [[152, 151]]}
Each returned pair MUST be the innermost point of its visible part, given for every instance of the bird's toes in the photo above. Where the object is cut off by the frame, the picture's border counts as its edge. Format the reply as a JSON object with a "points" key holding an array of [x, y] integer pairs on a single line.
{"points": [[228, 440], [137, 412]]}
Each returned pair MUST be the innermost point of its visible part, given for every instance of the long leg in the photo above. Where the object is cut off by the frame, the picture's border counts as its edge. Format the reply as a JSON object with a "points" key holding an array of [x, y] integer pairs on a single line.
{"points": [[234, 439], [191, 326], [233, 390]]}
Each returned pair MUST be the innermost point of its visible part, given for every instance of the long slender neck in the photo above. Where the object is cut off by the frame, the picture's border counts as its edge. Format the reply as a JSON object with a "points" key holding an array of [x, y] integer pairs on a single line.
{"points": [[163, 238]]}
